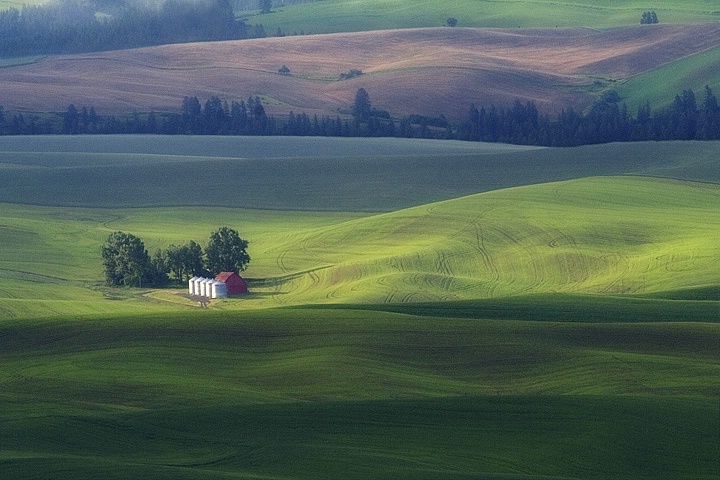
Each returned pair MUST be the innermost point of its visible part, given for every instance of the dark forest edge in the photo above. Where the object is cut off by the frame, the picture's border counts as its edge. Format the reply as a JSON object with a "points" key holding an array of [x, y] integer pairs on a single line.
{"points": [[71, 26], [607, 120]]}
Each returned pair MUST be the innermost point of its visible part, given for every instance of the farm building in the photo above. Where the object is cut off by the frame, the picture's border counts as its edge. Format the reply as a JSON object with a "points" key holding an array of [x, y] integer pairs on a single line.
{"points": [[226, 283], [234, 282]]}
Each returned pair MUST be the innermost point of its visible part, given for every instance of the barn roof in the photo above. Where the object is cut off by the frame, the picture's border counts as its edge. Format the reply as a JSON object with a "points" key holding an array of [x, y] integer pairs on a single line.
{"points": [[223, 276]]}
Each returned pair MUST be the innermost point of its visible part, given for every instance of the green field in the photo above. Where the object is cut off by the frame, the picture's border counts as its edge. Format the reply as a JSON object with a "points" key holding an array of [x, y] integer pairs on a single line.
{"points": [[318, 394], [311, 174], [419, 310], [331, 16], [660, 86]]}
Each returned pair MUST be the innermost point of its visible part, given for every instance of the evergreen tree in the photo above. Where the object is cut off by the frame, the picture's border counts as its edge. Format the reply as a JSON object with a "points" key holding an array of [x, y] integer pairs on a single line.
{"points": [[191, 115], [710, 117], [362, 107], [71, 120], [214, 116]]}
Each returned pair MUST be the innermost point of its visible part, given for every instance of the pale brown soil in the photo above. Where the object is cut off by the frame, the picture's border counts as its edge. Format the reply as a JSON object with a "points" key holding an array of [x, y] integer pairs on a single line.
{"points": [[427, 71]]}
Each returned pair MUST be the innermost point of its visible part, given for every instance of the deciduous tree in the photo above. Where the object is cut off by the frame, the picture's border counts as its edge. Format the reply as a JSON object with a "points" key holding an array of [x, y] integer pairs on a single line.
{"points": [[185, 261], [125, 260], [226, 251]]}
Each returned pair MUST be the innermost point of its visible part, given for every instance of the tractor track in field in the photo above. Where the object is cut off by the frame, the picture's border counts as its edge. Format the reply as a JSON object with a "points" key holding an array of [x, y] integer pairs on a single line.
{"points": [[473, 228], [37, 278], [397, 264], [484, 254], [441, 282], [113, 219], [475, 231], [443, 264], [561, 238], [532, 266], [314, 279], [281, 261], [617, 285], [390, 297]]}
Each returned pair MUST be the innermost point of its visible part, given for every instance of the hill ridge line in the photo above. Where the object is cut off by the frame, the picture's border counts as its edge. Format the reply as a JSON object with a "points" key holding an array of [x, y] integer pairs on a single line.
{"points": [[554, 67]]}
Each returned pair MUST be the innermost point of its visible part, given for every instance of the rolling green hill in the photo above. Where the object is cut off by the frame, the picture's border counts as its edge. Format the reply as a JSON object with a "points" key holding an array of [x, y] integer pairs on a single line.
{"points": [[563, 323], [601, 236], [320, 394], [330, 16], [607, 236], [588, 236], [659, 86], [420, 310], [311, 174]]}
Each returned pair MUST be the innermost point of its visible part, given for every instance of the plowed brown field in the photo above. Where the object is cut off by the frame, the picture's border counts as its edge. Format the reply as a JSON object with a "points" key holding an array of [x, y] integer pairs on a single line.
{"points": [[427, 71]]}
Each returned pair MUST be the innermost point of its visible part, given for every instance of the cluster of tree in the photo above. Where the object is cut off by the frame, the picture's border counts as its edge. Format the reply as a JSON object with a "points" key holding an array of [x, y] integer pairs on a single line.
{"points": [[648, 18], [126, 262], [72, 26], [218, 117], [608, 120]]}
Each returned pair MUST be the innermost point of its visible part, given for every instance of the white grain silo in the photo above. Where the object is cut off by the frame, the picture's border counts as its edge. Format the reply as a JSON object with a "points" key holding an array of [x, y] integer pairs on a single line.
{"points": [[219, 289], [196, 287], [207, 286], [191, 286]]}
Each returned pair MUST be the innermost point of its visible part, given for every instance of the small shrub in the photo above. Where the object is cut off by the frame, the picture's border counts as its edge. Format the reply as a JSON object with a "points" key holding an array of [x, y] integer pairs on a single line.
{"points": [[648, 18], [350, 74]]}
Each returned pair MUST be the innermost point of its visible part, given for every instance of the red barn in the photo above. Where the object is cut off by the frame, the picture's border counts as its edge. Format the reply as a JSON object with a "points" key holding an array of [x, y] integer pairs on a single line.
{"points": [[235, 283]]}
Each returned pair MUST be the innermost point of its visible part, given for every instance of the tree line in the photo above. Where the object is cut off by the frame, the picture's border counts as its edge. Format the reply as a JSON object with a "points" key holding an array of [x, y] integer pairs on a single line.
{"points": [[73, 26], [607, 120], [126, 262]]}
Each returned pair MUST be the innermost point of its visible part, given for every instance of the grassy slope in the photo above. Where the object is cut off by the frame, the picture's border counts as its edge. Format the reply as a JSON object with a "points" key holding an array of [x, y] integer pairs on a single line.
{"points": [[308, 173], [604, 387], [313, 394], [414, 255], [660, 85], [206, 395], [598, 235], [606, 236], [361, 15]]}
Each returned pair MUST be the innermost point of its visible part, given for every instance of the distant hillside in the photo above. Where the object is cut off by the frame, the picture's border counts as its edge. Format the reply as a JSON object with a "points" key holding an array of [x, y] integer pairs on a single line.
{"points": [[318, 174], [427, 71], [331, 16]]}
